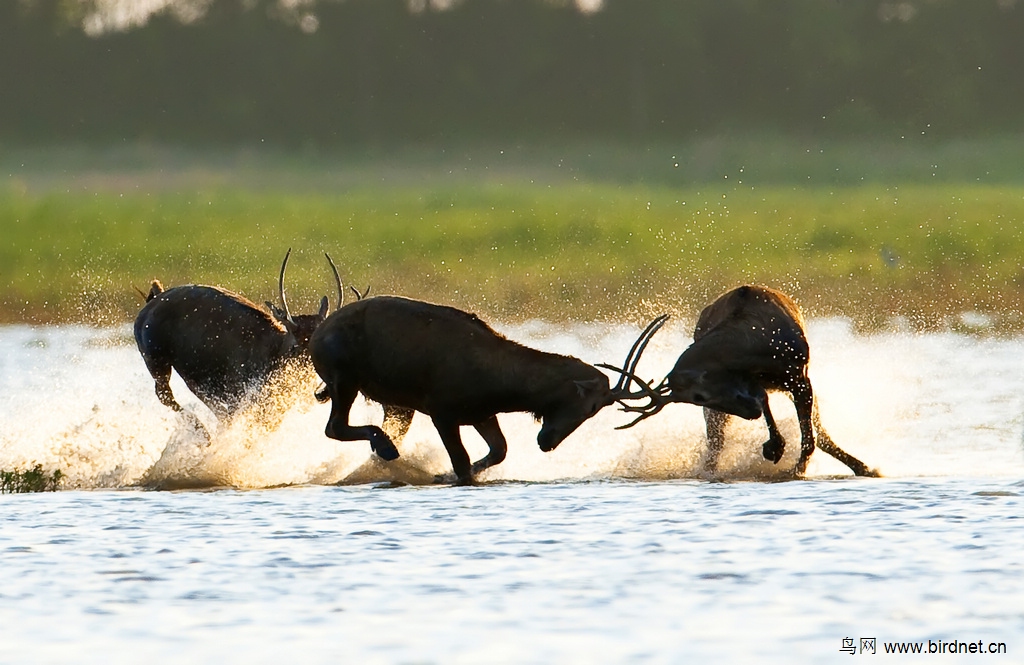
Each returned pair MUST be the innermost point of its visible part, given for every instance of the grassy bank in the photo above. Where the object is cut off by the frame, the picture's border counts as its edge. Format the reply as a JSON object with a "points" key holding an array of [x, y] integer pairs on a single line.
{"points": [[511, 245]]}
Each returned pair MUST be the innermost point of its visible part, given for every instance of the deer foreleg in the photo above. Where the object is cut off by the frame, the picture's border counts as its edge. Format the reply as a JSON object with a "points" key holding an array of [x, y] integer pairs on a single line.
{"points": [[339, 428], [715, 423], [775, 445], [491, 433]]}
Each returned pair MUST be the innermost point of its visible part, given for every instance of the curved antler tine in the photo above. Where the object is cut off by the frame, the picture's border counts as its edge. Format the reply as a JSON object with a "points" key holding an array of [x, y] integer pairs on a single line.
{"points": [[621, 372], [659, 396], [643, 416], [640, 344], [652, 328], [337, 280], [629, 358], [280, 287], [645, 388]]}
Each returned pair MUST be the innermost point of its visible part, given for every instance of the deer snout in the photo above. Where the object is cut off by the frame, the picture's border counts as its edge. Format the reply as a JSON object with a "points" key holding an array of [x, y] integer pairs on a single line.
{"points": [[555, 429], [547, 440], [736, 401], [744, 406], [739, 403]]}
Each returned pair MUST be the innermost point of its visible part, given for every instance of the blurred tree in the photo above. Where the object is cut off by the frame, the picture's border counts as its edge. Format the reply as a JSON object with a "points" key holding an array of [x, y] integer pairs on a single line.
{"points": [[379, 71]]}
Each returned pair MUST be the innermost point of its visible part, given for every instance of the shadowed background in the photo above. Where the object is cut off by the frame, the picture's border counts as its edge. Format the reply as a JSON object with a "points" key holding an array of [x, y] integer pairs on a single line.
{"points": [[524, 158]]}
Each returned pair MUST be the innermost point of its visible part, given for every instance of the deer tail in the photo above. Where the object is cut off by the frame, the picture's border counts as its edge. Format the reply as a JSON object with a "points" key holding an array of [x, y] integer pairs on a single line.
{"points": [[155, 289]]}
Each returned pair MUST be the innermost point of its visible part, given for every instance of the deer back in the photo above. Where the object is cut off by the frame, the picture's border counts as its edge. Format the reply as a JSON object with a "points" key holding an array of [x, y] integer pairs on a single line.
{"points": [[217, 340], [747, 328], [435, 359]]}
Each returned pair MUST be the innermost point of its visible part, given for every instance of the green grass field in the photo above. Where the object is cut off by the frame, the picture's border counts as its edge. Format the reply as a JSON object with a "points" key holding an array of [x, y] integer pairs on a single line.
{"points": [[513, 242]]}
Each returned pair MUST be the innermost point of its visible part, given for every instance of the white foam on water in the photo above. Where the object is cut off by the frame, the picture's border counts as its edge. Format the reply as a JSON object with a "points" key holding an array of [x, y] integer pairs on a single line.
{"points": [[80, 399]]}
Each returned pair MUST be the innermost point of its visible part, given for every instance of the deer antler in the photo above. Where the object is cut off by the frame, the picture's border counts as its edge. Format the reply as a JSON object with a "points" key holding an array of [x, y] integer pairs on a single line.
{"points": [[280, 288], [659, 398], [337, 280], [621, 392], [628, 371]]}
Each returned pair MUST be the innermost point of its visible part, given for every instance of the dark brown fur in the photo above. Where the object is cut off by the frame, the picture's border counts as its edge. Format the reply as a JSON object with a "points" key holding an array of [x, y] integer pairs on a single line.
{"points": [[224, 347], [453, 367], [748, 342]]}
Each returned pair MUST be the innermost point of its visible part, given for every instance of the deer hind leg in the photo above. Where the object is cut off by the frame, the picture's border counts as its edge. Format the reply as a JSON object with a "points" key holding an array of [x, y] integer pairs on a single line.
{"points": [[449, 432], [339, 428], [775, 446], [397, 420], [803, 400], [825, 443], [161, 372], [491, 433], [715, 423]]}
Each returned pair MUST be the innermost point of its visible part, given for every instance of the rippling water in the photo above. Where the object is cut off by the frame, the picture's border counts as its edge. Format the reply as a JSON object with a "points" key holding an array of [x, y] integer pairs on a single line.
{"points": [[610, 549]]}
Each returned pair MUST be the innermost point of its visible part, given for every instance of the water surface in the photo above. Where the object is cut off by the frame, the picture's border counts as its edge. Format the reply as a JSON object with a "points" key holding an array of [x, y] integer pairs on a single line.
{"points": [[613, 548]]}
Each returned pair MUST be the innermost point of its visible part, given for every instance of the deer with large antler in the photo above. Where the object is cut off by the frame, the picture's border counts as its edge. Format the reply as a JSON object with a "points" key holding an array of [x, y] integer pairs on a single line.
{"points": [[453, 367], [747, 343], [223, 346]]}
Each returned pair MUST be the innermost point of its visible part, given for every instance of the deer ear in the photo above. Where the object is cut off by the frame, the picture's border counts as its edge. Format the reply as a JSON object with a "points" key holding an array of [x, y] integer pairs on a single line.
{"points": [[587, 386], [323, 308]]}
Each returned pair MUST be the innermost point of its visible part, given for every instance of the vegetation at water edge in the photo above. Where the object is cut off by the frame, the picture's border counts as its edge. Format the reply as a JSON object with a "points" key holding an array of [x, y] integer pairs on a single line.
{"points": [[30, 480]]}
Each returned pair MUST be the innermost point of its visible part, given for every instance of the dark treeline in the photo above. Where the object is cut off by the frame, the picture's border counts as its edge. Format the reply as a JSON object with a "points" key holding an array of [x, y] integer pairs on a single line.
{"points": [[374, 71]]}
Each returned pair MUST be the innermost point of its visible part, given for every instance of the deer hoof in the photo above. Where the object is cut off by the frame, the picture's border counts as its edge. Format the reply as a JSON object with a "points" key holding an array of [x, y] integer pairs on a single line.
{"points": [[453, 480], [385, 450], [772, 450]]}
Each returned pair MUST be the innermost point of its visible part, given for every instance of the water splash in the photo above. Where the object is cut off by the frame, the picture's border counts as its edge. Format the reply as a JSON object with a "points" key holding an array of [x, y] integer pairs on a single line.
{"points": [[79, 399]]}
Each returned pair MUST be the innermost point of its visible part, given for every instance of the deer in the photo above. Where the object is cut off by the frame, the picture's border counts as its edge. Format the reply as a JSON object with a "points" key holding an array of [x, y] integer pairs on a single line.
{"points": [[747, 343], [223, 346], [451, 366]]}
